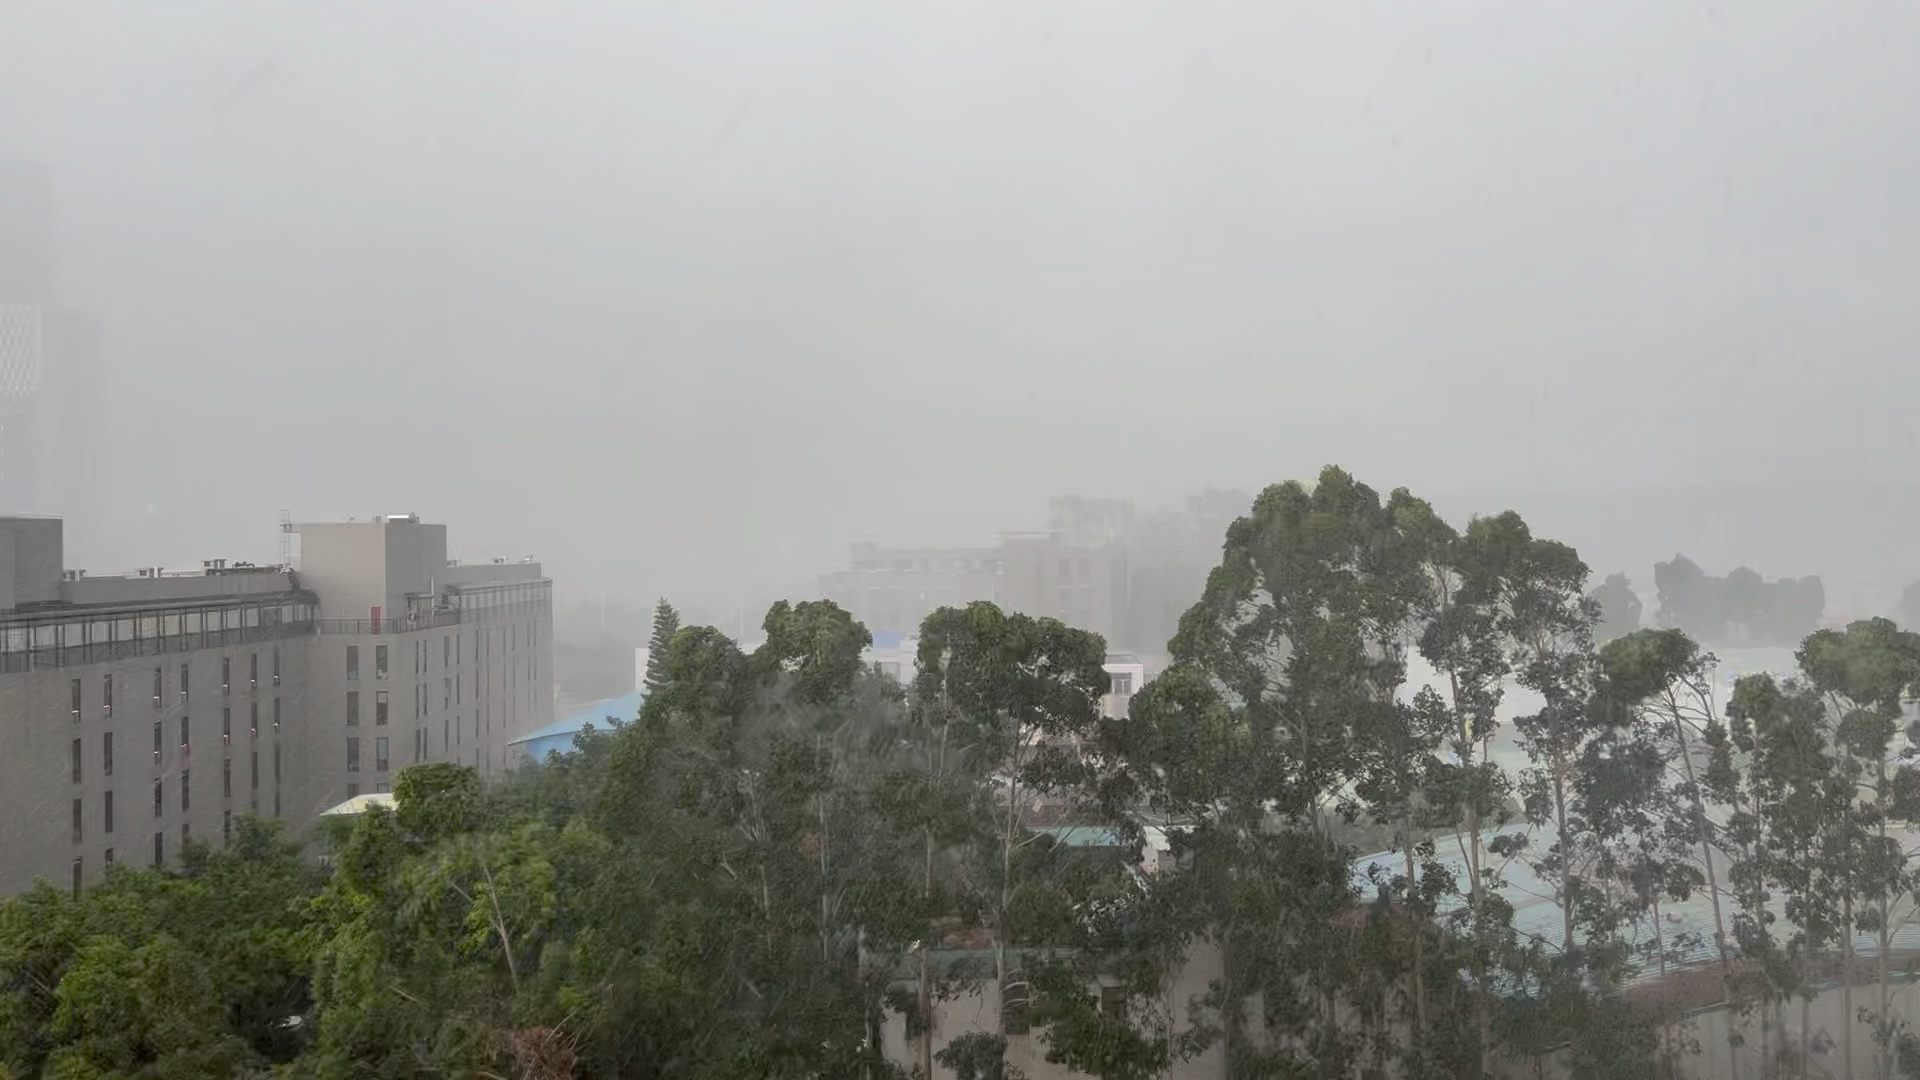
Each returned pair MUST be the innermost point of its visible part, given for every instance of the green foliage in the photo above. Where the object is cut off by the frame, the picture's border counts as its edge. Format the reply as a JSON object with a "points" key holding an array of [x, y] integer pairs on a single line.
{"points": [[186, 972], [666, 623]]}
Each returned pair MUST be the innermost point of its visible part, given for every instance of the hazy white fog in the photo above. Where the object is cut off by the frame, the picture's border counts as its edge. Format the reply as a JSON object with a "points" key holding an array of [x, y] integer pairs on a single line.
{"points": [[682, 295]]}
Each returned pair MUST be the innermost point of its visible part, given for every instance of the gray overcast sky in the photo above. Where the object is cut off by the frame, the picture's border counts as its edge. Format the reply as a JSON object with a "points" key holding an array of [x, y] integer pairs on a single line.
{"points": [[683, 295]]}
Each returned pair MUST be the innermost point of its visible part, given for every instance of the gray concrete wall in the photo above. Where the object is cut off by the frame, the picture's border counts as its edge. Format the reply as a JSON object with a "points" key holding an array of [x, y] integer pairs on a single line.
{"points": [[346, 564], [36, 779]]}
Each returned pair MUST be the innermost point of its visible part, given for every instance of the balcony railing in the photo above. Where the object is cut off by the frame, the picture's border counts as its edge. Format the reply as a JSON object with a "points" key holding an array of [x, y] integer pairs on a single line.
{"points": [[398, 624]]}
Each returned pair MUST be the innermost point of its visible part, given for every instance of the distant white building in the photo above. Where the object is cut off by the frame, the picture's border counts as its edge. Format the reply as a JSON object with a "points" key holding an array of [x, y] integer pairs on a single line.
{"points": [[1125, 676]]}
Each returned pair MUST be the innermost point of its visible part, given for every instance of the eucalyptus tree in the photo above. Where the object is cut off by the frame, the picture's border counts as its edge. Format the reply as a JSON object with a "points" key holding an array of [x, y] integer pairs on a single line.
{"points": [[1865, 674], [1800, 838], [1017, 700]]}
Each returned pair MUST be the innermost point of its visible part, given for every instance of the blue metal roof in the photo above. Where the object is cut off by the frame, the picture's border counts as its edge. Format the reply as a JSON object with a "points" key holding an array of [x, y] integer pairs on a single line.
{"points": [[557, 737]]}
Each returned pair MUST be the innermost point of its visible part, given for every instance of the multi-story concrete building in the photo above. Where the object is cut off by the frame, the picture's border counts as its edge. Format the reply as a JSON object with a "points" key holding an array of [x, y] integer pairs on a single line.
{"points": [[142, 710], [1039, 574]]}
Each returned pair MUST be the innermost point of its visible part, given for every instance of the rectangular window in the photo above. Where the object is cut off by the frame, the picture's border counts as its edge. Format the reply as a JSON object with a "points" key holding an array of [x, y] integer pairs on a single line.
{"points": [[106, 753], [276, 766], [157, 743], [106, 815], [353, 708], [276, 665], [253, 770], [226, 778], [226, 674], [253, 671], [159, 685], [380, 754], [183, 682], [382, 788], [380, 708], [74, 690], [109, 857], [106, 695], [446, 651], [445, 726], [353, 791], [186, 790], [353, 663], [379, 661], [276, 716], [76, 761], [226, 725], [78, 812], [76, 875], [159, 797], [253, 719], [184, 735], [226, 825], [353, 753], [159, 848]]}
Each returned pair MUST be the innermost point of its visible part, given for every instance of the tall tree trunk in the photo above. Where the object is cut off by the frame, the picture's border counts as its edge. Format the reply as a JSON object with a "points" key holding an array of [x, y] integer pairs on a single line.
{"points": [[1846, 980], [1418, 924], [1699, 809]]}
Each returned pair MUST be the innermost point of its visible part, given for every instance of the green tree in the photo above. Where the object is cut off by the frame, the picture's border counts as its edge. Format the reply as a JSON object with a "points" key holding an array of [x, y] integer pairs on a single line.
{"points": [[666, 623], [1865, 674], [1620, 608]]}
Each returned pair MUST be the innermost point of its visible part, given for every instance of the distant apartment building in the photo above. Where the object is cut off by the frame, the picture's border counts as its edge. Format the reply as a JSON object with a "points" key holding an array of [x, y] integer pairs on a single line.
{"points": [[1038, 574], [146, 709]]}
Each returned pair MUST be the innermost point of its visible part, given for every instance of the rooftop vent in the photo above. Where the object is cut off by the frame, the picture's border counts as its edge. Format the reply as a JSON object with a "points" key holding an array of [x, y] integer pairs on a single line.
{"points": [[499, 560], [411, 519]]}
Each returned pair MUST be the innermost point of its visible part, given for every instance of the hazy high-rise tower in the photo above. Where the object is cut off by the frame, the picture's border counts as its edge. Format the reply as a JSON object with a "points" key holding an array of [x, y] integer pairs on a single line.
{"points": [[26, 286]]}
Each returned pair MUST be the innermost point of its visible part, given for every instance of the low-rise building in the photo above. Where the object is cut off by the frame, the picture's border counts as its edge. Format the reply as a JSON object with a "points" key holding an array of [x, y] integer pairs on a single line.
{"points": [[142, 710]]}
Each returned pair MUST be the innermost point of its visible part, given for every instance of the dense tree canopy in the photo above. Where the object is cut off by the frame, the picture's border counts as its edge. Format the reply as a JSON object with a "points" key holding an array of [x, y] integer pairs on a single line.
{"points": [[788, 864]]}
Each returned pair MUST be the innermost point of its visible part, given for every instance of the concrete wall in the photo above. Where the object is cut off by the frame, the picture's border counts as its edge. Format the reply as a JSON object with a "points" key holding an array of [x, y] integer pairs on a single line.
{"points": [[202, 735], [346, 563]]}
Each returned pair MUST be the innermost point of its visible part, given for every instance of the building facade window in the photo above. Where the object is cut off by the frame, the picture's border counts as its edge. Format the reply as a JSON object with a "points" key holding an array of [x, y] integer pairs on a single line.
{"points": [[159, 685], [183, 681], [158, 741], [253, 719], [353, 753], [106, 813], [73, 690], [379, 661], [353, 708], [75, 763], [226, 725], [276, 665], [380, 708], [380, 754], [186, 790], [253, 671], [226, 825], [353, 663], [276, 716], [226, 674], [106, 753], [184, 733], [253, 770], [106, 695], [78, 813], [226, 778], [159, 797], [77, 874]]}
